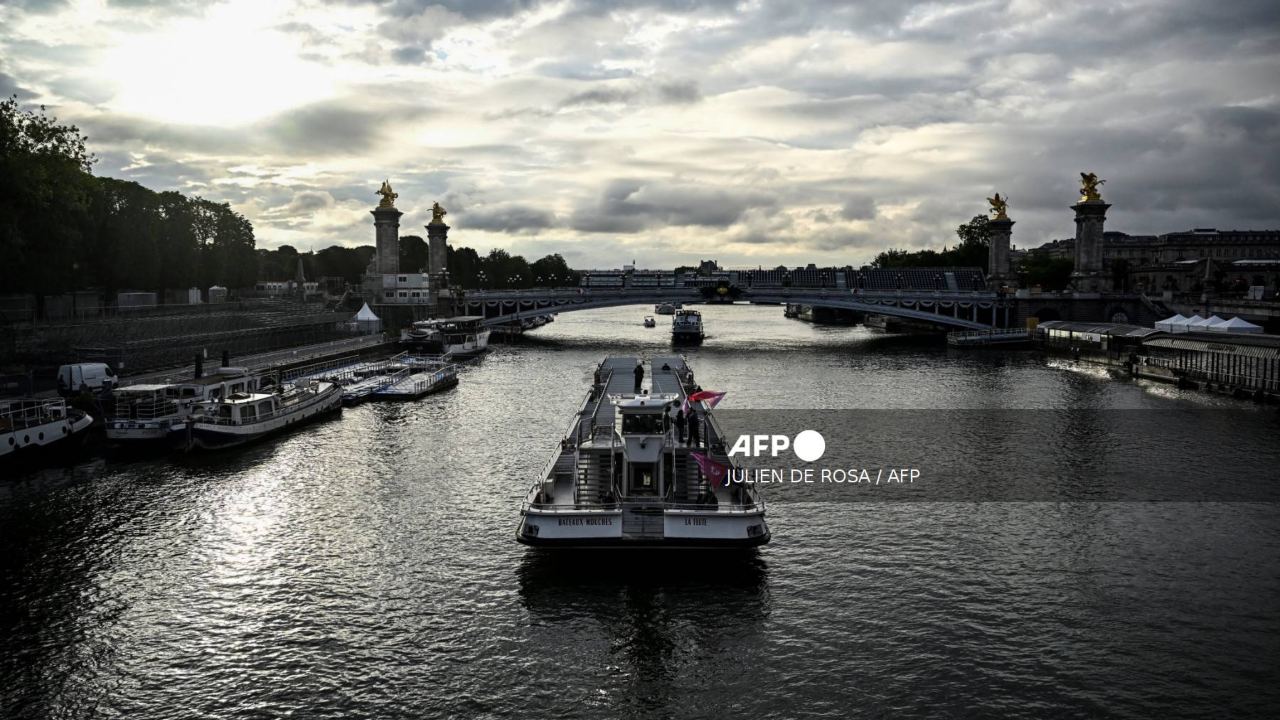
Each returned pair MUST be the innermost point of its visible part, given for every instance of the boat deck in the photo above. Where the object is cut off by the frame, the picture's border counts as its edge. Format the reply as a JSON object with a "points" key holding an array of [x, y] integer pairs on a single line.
{"points": [[637, 484]]}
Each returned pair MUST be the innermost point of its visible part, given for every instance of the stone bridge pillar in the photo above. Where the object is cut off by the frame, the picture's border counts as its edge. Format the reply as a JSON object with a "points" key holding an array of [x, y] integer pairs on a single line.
{"points": [[386, 221], [1089, 274], [998, 271], [437, 250]]}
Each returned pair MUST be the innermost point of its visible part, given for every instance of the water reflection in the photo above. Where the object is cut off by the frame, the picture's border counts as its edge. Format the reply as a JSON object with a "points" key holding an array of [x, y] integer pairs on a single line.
{"points": [[672, 620]]}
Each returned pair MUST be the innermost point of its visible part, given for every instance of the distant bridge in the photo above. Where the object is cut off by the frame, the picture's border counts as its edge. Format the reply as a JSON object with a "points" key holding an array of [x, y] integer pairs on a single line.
{"points": [[970, 310]]}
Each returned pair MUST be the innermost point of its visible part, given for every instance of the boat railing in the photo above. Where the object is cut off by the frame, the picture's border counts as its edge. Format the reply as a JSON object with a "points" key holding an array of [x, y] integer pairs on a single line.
{"points": [[21, 414], [603, 507], [132, 406]]}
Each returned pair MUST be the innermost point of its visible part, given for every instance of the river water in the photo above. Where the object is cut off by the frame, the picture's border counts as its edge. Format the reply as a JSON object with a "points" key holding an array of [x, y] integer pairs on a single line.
{"points": [[367, 566]]}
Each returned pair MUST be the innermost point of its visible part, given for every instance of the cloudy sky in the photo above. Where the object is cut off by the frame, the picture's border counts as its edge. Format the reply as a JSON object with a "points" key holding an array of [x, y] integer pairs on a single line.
{"points": [[671, 130]]}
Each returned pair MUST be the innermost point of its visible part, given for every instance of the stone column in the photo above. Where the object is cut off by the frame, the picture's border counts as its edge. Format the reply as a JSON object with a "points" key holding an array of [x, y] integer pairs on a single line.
{"points": [[437, 249], [1089, 274], [386, 221], [998, 273]]}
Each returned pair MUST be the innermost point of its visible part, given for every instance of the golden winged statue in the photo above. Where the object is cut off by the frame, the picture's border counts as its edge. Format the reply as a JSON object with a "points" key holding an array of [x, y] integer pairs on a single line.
{"points": [[1089, 183], [437, 214], [999, 206], [388, 195]]}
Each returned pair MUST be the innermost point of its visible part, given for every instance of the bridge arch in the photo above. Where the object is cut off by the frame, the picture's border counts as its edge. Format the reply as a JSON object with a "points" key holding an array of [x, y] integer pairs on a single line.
{"points": [[957, 310]]}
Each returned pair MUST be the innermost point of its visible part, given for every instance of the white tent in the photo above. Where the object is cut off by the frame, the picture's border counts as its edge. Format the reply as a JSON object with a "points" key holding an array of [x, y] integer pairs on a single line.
{"points": [[1177, 323], [1236, 325], [1200, 323], [366, 322]]}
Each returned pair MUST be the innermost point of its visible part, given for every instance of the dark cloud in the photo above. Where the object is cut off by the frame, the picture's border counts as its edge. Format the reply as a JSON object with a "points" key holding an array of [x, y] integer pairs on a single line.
{"points": [[664, 93], [507, 217], [409, 55], [10, 87], [858, 208], [629, 206], [334, 127]]}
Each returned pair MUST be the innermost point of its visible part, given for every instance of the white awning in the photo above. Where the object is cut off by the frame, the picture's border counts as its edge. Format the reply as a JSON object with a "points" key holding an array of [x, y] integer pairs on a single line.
{"points": [[1237, 325], [366, 314], [1177, 323]]}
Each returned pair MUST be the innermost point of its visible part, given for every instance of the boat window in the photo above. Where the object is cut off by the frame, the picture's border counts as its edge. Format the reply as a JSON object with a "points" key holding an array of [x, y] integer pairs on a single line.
{"points": [[224, 411], [265, 407], [642, 424], [248, 413]]}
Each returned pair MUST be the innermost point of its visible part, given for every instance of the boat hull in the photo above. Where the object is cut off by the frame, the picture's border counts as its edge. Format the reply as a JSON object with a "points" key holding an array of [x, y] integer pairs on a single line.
{"points": [[679, 530], [131, 432], [45, 438], [687, 338]]}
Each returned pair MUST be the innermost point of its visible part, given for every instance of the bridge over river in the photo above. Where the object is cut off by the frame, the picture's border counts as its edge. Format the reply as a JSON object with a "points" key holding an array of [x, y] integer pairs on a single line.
{"points": [[959, 309]]}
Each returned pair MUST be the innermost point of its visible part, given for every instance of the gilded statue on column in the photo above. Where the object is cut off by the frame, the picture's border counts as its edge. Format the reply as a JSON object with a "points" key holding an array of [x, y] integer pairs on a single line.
{"points": [[437, 214], [999, 206], [388, 195], [1089, 183]]}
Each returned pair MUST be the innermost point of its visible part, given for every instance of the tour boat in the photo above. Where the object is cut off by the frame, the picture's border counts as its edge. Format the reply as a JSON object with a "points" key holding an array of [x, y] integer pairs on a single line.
{"points": [[665, 308], [686, 326], [650, 322], [243, 417], [623, 477], [31, 424], [148, 413], [461, 336]]}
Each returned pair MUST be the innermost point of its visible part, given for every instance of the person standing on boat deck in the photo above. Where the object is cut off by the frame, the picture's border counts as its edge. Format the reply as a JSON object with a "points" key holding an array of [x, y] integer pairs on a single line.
{"points": [[680, 424], [693, 427], [639, 375]]}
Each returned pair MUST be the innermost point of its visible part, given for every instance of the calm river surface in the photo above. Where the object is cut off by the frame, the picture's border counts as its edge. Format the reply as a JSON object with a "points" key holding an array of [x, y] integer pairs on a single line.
{"points": [[366, 567]]}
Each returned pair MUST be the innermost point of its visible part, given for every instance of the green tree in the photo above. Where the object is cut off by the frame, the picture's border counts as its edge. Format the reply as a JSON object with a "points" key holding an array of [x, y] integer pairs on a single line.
{"points": [[464, 265], [413, 254], [45, 191], [552, 271], [1043, 270]]}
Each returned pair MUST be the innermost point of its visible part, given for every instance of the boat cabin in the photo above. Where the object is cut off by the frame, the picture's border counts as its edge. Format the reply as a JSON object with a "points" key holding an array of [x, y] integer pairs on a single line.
{"points": [[239, 408], [643, 422]]}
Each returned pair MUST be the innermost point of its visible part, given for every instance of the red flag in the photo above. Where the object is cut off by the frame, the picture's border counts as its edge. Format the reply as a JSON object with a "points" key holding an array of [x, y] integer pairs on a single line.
{"points": [[710, 398], [714, 471]]}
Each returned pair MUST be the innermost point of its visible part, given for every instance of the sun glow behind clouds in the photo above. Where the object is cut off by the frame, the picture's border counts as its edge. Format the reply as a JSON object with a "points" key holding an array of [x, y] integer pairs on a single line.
{"points": [[227, 67]]}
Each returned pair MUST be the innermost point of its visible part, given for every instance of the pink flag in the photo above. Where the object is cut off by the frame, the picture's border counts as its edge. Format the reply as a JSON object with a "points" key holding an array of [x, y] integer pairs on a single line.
{"points": [[710, 398], [714, 471]]}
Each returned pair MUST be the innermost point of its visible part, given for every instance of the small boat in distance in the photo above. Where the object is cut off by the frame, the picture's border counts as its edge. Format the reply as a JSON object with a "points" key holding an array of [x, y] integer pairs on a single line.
{"points": [[624, 477], [460, 336], [244, 417], [31, 424], [650, 322], [665, 308], [686, 327]]}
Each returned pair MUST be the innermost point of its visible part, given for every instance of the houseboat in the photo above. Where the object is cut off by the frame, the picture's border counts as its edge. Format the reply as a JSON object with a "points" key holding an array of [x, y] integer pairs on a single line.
{"points": [[149, 413], [665, 308], [686, 326], [623, 475], [30, 424], [460, 336], [247, 416]]}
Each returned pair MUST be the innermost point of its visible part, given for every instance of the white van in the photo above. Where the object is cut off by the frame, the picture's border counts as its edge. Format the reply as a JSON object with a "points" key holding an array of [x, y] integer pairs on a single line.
{"points": [[94, 377]]}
